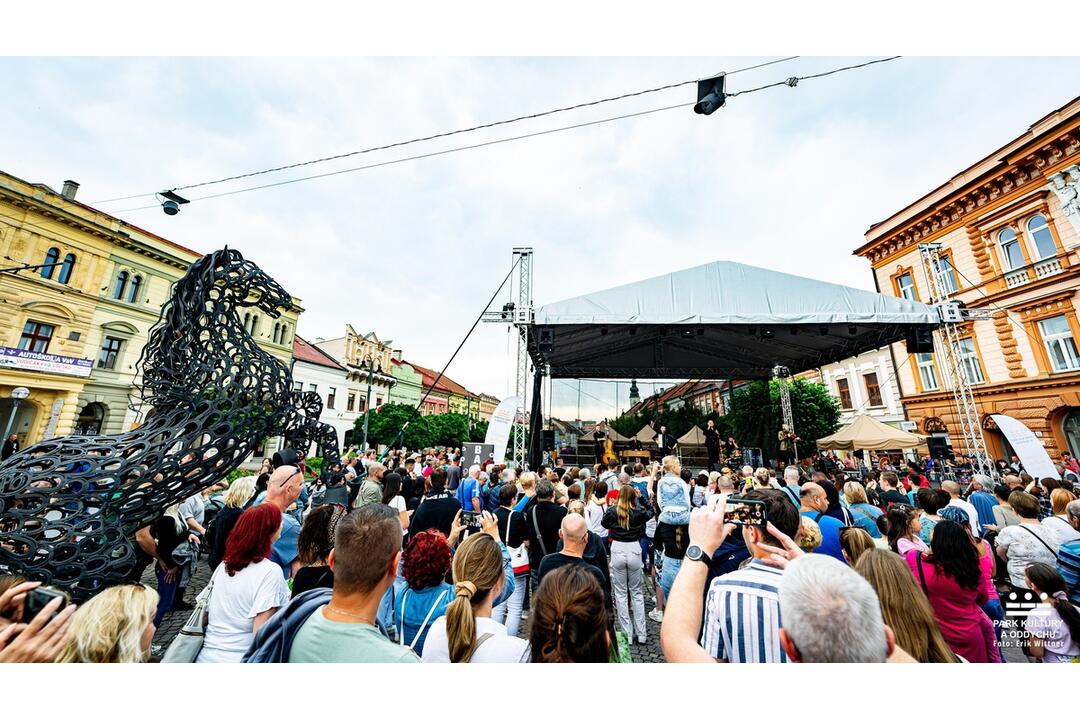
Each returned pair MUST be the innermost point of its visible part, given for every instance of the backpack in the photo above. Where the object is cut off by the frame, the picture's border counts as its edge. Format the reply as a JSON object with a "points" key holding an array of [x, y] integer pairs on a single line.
{"points": [[491, 497]]}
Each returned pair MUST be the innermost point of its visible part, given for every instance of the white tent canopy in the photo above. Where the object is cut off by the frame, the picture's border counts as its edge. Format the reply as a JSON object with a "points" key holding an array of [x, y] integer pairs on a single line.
{"points": [[719, 320], [646, 434], [868, 433], [694, 436]]}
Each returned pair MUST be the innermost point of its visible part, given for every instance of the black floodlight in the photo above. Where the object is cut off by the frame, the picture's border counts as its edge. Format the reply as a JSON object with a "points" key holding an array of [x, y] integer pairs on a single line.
{"points": [[710, 95], [172, 202]]}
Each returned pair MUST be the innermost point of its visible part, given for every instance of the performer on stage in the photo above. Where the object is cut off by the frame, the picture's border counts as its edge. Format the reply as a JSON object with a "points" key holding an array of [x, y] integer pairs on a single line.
{"points": [[712, 444], [664, 442], [787, 445], [599, 436], [634, 444], [731, 448]]}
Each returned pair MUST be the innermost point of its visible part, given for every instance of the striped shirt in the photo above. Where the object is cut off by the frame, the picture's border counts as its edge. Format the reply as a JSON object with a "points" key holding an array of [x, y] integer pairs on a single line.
{"points": [[742, 615], [1068, 564]]}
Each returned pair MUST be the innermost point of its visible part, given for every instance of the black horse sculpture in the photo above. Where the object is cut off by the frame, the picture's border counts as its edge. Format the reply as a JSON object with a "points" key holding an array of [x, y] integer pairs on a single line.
{"points": [[70, 506]]}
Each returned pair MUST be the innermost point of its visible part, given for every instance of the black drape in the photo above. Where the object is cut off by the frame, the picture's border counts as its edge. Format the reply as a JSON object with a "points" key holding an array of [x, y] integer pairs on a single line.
{"points": [[536, 423]]}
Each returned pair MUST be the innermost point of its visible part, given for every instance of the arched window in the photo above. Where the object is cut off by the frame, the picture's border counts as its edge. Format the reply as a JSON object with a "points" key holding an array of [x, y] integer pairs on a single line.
{"points": [[1041, 236], [247, 322], [66, 268], [254, 324], [1010, 249], [277, 332], [284, 333], [121, 285], [136, 283], [51, 257]]}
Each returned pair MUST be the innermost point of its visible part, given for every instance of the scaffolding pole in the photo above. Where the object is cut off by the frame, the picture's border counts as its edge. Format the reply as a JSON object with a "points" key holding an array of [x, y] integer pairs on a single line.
{"points": [[783, 376], [523, 319], [953, 316]]}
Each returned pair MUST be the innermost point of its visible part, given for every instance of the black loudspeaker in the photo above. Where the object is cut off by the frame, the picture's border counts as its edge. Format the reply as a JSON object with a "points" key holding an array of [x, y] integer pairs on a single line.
{"points": [[545, 340], [920, 340], [939, 448], [285, 456], [549, 439]]}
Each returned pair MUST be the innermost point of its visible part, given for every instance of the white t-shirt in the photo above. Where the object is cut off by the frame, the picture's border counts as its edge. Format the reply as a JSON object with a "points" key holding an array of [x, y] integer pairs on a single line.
{"points": [[1062, 527], [499, 648], [972, 513], [594, 516], [398, 503], [234, 603], [1025, 548]]}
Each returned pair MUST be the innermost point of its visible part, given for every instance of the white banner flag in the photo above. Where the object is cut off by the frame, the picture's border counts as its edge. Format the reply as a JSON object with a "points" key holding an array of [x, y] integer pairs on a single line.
{"points": [[498, 433], [1028, 448]]}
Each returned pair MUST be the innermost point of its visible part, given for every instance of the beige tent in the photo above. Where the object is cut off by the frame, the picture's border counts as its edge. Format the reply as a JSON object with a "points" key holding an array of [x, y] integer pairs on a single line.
{"points": [[611, 432], [867, 433], [693, 437], [646, 434]]}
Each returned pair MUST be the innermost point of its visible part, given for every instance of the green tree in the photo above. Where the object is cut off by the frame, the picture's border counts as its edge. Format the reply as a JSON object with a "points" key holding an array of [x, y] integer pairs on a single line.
{"points": [[479, 432], [383, 426], [450, 429], [755, 415]]}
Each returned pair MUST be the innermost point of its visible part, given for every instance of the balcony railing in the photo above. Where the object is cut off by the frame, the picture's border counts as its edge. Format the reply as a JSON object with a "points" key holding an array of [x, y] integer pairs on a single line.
{"points": [[1016, 278], [1046, 268]]}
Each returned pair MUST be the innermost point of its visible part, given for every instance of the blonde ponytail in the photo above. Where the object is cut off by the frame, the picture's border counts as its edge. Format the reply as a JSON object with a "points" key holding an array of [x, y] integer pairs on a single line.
{"points": [[477, 568]]}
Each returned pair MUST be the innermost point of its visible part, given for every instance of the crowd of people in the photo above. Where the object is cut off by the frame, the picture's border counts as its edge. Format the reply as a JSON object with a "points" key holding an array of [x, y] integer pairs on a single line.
{"points": [[419, 559]]}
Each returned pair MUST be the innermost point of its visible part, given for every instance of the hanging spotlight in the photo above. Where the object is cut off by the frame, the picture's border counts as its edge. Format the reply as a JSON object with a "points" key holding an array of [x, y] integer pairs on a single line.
{"points": [[767, 334], [852, 330], [172, 202], [710, 95]]}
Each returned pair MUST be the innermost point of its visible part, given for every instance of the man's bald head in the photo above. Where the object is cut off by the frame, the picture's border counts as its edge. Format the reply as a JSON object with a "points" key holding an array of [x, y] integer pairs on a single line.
{"points": [[813, 496], [951, 487], [1012, 480], [573, 532], [284, 486]]}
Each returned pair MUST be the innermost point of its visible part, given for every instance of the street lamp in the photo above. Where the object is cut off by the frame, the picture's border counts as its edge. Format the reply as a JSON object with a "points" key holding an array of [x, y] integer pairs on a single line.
{"points": [[17, 396], [371, 365]]}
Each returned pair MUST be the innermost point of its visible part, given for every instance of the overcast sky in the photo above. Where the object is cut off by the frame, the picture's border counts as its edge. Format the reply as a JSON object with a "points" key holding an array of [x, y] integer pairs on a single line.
{"points": [[785, 178]]}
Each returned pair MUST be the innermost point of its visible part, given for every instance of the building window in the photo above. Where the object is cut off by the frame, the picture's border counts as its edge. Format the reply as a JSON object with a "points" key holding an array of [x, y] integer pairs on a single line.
{"points": [[1059, 342], [35, 337], [277, 333], [969, 358], [845, 393], [284, 333], [378, 402], [946, 275], [350, 404], [906, 286], [927, 372], [65, 269], [330, 397], [133, 293], [110, 351], [298, 386], [51, 259], [247, 323], [1010, 249], [312, 387], [1041, 237], [254, 324], [363, 404], [121, 285], [873, 391]]}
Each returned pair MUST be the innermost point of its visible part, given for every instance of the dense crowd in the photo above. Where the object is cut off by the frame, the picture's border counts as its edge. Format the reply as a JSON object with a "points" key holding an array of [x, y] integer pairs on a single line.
{"points": [[419, 559]]}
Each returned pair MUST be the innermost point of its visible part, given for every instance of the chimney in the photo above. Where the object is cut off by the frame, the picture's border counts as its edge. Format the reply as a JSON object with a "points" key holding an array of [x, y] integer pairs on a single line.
{"points": [[70, 188], [320, 339], [397, 355]]}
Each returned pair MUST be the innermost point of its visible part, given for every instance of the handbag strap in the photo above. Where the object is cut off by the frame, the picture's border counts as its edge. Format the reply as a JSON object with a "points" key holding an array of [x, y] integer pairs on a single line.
{"points": [[536, 526], [1034, 535], [479, 641], [922, 576]]}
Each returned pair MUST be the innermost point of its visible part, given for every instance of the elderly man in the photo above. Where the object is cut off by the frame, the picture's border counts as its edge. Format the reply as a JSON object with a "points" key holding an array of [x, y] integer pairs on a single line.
{"points": [[1013, 482], [282, 490], [983, 500], [1068, 562], [813, 502], [953, 488], [542, 523], [575, 536], [814, 592], [791, 484], [371, 487], [470, 491]]}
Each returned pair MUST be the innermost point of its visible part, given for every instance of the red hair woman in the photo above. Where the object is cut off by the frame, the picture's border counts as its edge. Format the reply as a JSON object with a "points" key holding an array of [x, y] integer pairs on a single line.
{"points": [[247, 588]]}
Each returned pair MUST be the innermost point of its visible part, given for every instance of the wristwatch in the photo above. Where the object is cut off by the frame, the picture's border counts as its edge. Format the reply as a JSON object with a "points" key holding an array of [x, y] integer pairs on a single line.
{"points": [[694, 552]]}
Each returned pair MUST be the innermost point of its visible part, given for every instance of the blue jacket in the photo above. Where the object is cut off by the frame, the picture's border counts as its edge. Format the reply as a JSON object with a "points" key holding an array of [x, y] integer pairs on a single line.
{"points": [[673, 497]]}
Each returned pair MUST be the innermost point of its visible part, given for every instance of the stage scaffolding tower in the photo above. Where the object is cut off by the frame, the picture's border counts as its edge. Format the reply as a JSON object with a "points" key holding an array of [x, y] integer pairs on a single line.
{"points": [[783, 379], [953, 315]]}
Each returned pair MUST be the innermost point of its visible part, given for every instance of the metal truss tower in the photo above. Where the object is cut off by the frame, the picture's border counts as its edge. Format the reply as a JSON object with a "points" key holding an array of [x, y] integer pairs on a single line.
{"points": [[783, 377], [523, 319], [953, 315]]}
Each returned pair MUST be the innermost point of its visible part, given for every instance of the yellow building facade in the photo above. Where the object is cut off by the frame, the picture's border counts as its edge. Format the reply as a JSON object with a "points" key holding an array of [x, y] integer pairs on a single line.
{"points": [[72, 332], [1009, 228]]}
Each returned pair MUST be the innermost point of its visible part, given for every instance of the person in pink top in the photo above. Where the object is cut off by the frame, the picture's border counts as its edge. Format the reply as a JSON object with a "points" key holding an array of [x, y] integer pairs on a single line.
{"points": [[904, 530], [992, 607], [953, 580]]}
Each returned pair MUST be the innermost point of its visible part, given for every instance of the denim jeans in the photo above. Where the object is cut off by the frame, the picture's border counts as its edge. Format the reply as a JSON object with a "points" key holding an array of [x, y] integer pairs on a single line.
{"points": [[166, 594], [668, 573], [509, 612]]}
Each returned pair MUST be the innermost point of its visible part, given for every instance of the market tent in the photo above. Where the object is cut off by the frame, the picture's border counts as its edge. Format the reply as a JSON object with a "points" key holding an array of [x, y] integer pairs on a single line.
{"points": [[867, 433], [717, 321], [612, 433], [646, 434], [693, 437]]}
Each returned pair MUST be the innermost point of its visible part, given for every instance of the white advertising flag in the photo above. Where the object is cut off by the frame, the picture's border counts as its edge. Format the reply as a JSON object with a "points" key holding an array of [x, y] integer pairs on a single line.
{"points": [[1028, 448], [498, 433]]}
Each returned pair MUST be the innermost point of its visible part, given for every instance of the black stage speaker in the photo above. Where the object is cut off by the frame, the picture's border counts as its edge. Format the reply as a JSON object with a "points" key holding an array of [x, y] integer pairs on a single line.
{"points": [[939, 448], [549, 439], [546, 340], [920, 340]]}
